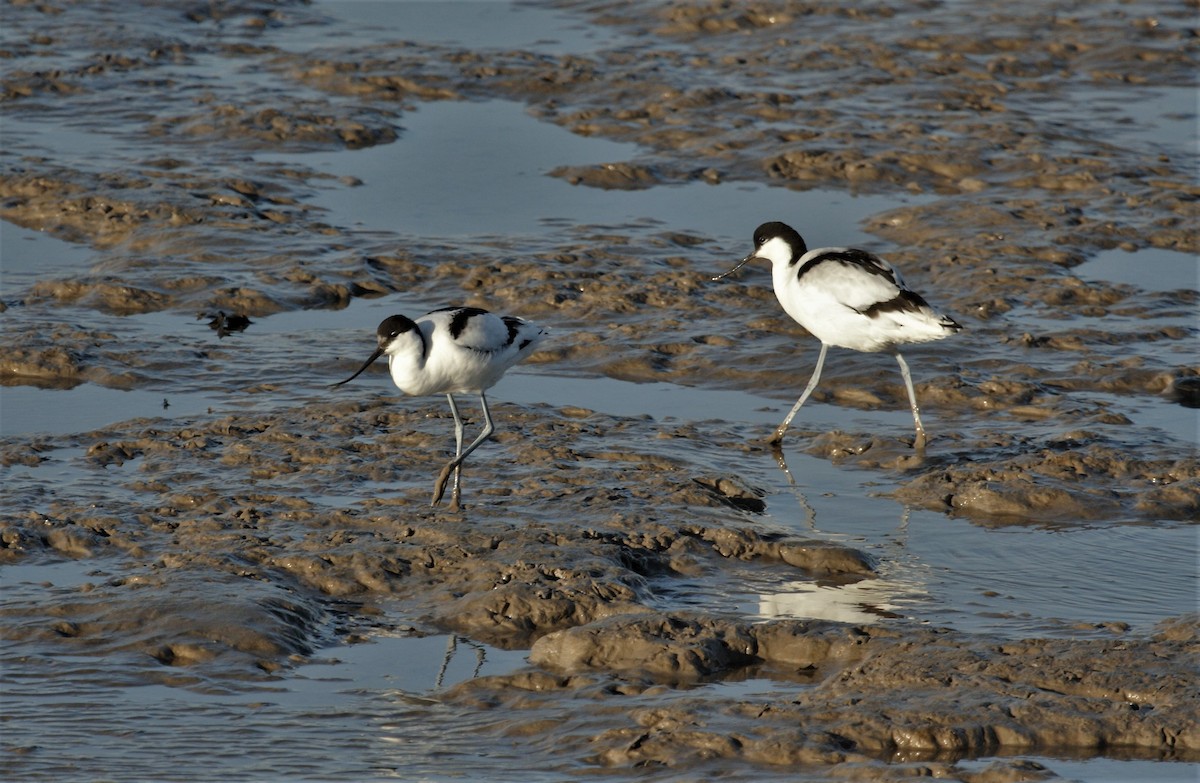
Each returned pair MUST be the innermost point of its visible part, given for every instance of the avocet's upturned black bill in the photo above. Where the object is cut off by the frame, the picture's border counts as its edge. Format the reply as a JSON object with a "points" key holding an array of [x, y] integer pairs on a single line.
{"points": [[848, 298], [454, 349]]}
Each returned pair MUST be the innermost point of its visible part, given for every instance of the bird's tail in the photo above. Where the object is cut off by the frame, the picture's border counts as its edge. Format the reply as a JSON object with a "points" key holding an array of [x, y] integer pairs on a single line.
{"points": [[950, 325]]}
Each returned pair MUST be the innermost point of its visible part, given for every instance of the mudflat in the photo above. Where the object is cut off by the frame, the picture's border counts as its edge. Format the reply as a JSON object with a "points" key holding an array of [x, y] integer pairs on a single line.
{"points": [[202, 543]]}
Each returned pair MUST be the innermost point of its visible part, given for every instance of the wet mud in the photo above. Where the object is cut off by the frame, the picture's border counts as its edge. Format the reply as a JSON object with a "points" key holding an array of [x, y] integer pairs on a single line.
{"points": [[978, 698], [223, 548]]}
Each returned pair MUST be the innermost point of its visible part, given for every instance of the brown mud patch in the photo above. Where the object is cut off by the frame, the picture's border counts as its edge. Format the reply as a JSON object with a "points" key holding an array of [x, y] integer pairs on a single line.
{"points": [[858, 694], [198, 623], [241, 555], [482, 574], [1078, 478], [577, 592]]}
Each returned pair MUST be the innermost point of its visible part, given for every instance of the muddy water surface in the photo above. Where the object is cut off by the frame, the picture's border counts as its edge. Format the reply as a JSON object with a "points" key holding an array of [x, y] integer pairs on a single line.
{"points": [[237, 567]]}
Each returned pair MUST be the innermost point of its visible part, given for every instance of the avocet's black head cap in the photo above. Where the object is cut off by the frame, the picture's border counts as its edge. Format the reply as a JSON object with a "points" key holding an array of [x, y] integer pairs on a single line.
{"points": [[392, 327], [389, 329], [765, 233], [769, 231]]}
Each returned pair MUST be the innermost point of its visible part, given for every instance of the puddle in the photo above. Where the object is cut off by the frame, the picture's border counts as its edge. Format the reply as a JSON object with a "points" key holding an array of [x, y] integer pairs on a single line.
{"points": [[26, 410], [979, 583], [35, 489], [400, 665], [1157, 115], [492, 26], [1073, 770], [468, 168], [1152, 414], [1150, 269], [27, 255], [1160, 117], [58, 576], [72, 133]]}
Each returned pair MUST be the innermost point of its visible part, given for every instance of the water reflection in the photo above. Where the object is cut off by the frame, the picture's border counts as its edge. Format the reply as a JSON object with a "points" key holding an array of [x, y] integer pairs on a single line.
{"points": [[865, 601], [452, 648], [848, 599]]}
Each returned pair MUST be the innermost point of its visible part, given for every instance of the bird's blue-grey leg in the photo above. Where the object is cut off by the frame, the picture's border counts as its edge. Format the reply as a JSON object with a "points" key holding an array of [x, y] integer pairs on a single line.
{"points": [[488, 428], [455, 464], [456, 491], [919, 443], [812, 384]]}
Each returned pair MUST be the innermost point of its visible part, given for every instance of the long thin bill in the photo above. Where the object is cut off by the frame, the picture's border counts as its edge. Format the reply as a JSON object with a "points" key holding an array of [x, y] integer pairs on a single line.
{"points": [[741, 264], [366, 364]]}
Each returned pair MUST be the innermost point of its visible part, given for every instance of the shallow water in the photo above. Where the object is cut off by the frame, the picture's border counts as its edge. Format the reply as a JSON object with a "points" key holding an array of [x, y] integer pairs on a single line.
{"points": [[458, 160], [468, 24], [119, 544], [1151, 269], [27, 255]]}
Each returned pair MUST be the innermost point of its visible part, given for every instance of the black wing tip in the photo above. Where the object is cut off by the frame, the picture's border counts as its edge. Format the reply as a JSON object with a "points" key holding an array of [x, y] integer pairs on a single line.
{"points": [[904, 302]]}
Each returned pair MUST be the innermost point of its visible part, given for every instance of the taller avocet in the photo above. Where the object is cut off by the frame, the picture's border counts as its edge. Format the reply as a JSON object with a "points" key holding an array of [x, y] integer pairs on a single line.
{"points": [[849, 298]]}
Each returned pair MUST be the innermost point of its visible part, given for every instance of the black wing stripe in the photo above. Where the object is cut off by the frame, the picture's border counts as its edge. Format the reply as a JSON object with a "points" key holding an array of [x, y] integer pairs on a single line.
{"points": [[462, 315], [859, 258]]}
